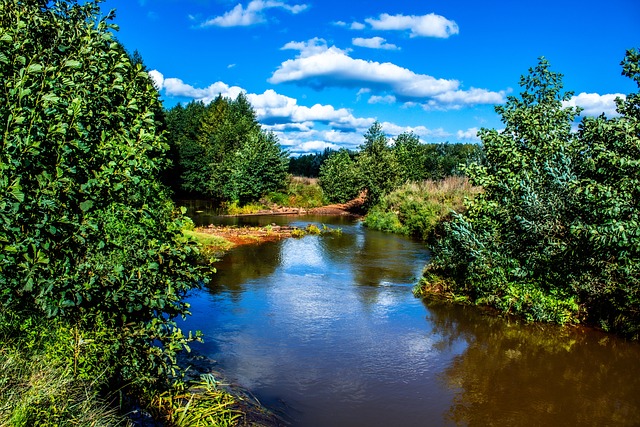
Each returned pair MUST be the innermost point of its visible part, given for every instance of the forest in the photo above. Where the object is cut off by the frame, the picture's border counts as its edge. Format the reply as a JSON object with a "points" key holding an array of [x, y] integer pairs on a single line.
{"points": [[539, 221]]}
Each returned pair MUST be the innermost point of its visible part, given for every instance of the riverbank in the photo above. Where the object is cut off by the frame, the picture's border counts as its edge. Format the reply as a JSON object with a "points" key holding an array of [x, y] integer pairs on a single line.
{"points": [[217, 239], [353, 208]]}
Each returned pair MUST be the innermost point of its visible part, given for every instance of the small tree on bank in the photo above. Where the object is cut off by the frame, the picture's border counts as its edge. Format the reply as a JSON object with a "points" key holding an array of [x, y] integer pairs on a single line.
{"points": [[555, 235]]}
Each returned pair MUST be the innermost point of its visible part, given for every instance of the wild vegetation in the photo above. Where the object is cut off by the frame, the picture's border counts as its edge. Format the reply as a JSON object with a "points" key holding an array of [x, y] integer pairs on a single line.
{"points": [[308, 165], [94, 265], [382, 165], [417, 208], [220, 152], [555, 234]]}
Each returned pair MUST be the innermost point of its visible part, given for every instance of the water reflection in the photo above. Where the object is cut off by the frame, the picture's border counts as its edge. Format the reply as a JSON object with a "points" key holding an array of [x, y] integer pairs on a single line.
{"points": [[326, 330], [522, 375]]}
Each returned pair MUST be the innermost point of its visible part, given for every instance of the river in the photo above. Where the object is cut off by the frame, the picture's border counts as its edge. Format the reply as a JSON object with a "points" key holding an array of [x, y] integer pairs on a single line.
{"points": [[325, 331]]}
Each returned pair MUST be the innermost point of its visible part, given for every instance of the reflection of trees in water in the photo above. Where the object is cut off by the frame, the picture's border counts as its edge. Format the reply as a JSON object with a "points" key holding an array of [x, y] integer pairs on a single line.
{"points": [[521, 375], [245, 263], [375, 258], [383, 258]]}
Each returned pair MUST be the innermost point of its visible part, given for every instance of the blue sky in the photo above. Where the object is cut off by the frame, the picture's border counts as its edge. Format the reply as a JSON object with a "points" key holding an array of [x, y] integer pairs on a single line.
{"points": [[319, 73]]}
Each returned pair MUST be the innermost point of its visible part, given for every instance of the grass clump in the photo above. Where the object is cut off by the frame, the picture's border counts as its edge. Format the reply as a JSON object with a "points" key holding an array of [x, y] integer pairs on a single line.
{"points": [[39, 383], [416, 208], [233, 208], [198, 403], [301, 192]]}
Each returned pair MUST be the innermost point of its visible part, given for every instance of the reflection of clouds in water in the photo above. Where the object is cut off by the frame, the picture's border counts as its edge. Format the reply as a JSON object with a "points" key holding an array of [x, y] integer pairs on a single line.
{"points": [[360, 240], [307, 306], [308, 332], [417, 346], [301, 252]]}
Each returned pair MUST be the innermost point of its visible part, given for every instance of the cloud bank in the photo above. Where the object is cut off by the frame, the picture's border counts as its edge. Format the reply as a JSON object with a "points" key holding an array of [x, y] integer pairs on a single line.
{"points": [[319, 66], [300, 129]]}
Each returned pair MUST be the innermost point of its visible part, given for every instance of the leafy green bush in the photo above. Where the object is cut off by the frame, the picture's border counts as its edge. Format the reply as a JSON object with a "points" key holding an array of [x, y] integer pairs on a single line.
{"points": [[340, 178], [88, 234], [305, 193], [554, 236], [417, 208]]}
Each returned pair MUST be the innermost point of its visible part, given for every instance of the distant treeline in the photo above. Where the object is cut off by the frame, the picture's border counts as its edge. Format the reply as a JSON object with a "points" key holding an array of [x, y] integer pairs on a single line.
{"points": [[381, 165], [434, 161], [219, 151]]}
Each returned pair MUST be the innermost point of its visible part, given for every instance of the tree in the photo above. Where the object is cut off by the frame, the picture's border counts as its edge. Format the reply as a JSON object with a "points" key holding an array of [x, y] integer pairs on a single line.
{"points": [[309, 164], [608, 233], [378, 165], [259, 167], [340, 178], [184, 152], [89, 237], [216, 151], [555, 236], [409, 154], [509, 248]]}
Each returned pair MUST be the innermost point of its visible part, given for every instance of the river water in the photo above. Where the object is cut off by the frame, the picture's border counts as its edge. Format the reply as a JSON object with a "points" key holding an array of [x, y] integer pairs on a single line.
{"points": [[325, 331]]}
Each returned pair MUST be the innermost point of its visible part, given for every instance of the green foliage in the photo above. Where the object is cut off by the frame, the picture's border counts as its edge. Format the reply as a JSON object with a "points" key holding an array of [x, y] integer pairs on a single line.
{"points": [[378, 165], [554, 236], [221, 151], [381, 166], [340, 178], [608, 233], [300, 193], [198, 403], [38, 382], [308, 165], [259, 167], [88, 234], [417, 208]]}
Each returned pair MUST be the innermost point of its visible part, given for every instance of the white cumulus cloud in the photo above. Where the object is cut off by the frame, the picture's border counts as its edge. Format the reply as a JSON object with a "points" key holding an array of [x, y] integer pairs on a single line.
{"points": [[595, 104], [158, 79], [176, 87], [300, 128], [393, 130], [387, 99], [319, 65], [252, 14], [374, 43], [430, 25], [469, 134]]}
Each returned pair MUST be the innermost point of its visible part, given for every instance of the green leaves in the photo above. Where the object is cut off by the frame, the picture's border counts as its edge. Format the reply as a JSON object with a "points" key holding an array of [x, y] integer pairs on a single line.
{"points": [[339, 177], [86, 205], [223, 153], [557, 225], [83, 218]]}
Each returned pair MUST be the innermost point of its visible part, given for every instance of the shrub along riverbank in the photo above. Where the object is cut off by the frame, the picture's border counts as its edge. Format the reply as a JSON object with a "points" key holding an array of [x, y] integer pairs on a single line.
{"points": [[94, 266], [555, 234], [416, 209]]}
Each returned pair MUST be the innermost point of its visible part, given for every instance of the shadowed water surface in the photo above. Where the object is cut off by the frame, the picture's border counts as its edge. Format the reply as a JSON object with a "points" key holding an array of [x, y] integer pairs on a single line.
{"points": [[325, 331]]}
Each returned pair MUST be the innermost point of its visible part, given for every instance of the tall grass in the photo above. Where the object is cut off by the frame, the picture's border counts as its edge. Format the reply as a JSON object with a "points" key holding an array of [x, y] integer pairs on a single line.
{"points": [[38, 387], [200, 403], [301, 192], [417, 207], [41, 386]]}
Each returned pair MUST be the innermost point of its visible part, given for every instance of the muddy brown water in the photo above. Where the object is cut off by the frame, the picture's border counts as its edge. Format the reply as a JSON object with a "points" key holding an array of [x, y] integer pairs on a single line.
{"points": [[326, 332]]}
